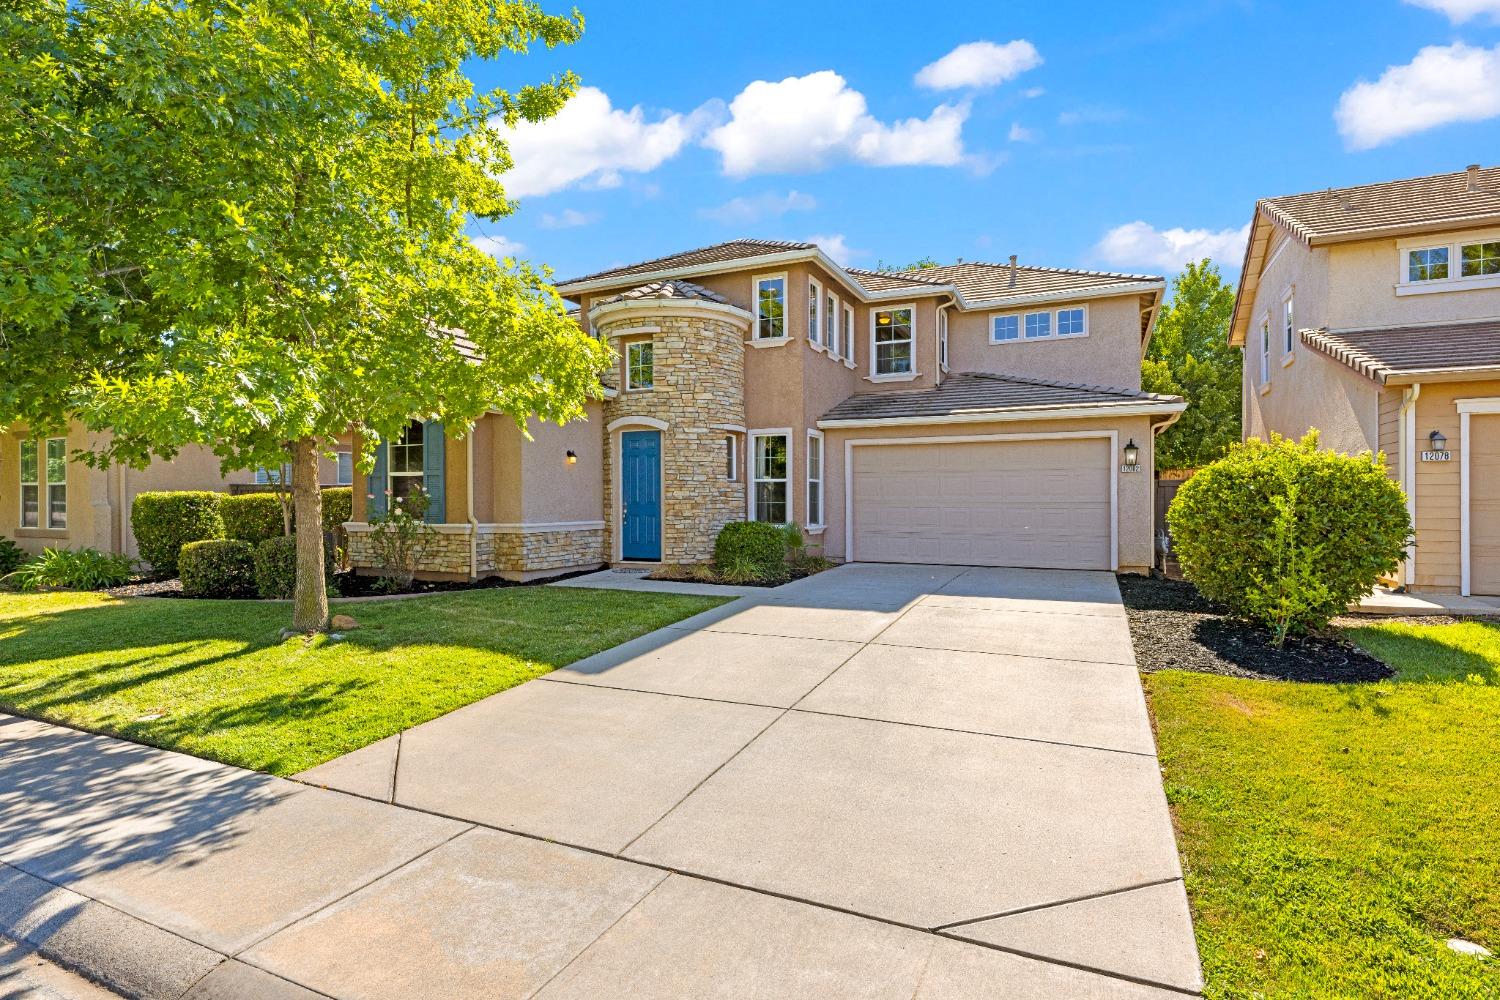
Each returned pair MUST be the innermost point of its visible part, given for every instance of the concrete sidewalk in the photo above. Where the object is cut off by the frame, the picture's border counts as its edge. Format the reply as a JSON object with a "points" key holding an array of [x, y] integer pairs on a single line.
{"points": [[904, 782]]}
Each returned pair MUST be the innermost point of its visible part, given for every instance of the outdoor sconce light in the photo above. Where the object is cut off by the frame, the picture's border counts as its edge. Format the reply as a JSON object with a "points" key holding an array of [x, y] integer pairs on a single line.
{"points": [[1437, 441], [1132, 453], [572, 457]]}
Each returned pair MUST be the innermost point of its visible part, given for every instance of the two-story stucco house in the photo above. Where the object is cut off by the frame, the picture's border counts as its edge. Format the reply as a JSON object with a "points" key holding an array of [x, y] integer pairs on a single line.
{"points": [[1373, 315], [974, 414]]}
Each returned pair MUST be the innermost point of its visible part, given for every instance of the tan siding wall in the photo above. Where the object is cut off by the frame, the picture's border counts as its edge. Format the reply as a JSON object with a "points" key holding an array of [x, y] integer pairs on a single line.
{"points": [[1390, 430], [1438, 487], [1484, 496]]}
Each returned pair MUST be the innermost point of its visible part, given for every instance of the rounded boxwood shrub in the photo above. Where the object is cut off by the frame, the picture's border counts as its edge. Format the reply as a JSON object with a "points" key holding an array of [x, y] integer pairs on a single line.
{"points": [[11, 556], [217, 567], [338, 507], [164, 522], [751, 550], [276, 567], [1286, 534], [252, 517]]}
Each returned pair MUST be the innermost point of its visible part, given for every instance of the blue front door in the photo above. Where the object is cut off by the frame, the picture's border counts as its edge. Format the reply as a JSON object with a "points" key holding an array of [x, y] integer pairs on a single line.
{"points": [[640, 495]]}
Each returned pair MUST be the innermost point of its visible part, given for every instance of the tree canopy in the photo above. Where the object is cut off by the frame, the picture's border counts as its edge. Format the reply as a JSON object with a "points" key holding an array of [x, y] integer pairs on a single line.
{"points": [[1190, 357], [243, 225]]}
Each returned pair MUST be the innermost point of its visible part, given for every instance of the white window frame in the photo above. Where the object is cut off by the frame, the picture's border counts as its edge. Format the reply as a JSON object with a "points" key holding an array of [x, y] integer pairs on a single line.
{"points": [[731, 457], [821, 521], [1288, 322], [630, 383], [815, 314], [755, 284], [391, 475], [831, 324], [1265, 352], [752, 478], [283, 476], [849, 335], [1454, 244], [46, 511], [36, 484], [942, 322], [875, 373], [1054, 324]]}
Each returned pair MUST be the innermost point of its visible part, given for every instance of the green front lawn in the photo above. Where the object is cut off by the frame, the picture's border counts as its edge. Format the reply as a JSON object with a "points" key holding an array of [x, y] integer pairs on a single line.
{"points": [[212, 678], [1335, 836]]}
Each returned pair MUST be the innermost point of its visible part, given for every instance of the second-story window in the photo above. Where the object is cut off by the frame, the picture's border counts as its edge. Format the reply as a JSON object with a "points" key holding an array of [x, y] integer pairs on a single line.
{"points": [[1070, 322], [639, 365], [831, 324], [1265, 351], [814, 312], [1478, 259], [770, 308], [1289, 325], [893, 341], [1004, 328], [1430, 264], [943, 339], [1038, 325], [848, 351]]}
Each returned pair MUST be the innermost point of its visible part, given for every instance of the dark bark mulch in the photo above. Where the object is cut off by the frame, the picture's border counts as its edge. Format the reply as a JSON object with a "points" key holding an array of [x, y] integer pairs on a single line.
{"points": [[351, 585], [1174, 628]]}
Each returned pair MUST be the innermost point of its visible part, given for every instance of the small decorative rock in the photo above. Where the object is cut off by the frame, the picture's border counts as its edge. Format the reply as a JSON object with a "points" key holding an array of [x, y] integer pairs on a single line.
{"points": [[1468, 948], [343, 623]]}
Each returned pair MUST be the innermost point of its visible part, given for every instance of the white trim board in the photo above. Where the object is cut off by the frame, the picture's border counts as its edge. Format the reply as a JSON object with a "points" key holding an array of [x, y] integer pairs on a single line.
{"points": [[1113, 436]]}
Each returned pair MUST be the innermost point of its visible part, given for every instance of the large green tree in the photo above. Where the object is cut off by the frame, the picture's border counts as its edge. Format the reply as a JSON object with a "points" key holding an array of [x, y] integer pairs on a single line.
{"points": [[242, 225], [1190, 357]]}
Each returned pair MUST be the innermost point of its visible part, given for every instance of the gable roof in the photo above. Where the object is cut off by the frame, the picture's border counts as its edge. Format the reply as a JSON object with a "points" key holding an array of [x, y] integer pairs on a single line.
{"points": [[718, 253], [1404, 354], [1435, 201], [984, 282], [981, 395], [667, 290]]}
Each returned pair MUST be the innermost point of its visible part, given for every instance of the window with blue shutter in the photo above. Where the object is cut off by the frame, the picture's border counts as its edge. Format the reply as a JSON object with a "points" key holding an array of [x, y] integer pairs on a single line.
{"points": [[432, 472], [379, 482]]}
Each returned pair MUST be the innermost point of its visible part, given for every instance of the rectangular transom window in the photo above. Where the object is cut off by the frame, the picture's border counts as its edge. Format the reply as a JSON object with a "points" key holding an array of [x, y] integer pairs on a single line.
{"points": [[1070, 322], [407, 461], [770, 475], [1476, 259], [770, 308], [1004, 328], [893, 341], [814, 479], [1038, 325], [31, 486], [1430, 264], [57, 483], [639, 365]]}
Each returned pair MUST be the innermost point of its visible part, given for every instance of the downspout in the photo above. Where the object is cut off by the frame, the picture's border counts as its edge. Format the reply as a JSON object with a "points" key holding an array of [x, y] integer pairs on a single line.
{"points": [[1407, 435], [469, 507]]}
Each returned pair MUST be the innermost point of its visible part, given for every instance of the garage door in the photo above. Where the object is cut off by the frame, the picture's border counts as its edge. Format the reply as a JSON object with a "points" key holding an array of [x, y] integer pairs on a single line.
{"points": [[985, 503], [1484, 504]]}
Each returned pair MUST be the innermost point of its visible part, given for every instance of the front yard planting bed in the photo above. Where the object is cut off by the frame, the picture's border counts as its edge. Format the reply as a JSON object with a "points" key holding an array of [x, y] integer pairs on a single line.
{"points": [[1335, 835], [212, 678]]}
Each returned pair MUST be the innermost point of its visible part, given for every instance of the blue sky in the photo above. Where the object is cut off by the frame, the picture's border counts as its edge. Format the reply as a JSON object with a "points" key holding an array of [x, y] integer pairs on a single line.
{"points": [[1114, 136]]}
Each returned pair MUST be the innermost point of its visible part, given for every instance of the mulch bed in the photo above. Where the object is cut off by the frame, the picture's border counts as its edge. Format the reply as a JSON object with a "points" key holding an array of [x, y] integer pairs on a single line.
{"points": [[148, 588], [1174, 628], [350, 585]]}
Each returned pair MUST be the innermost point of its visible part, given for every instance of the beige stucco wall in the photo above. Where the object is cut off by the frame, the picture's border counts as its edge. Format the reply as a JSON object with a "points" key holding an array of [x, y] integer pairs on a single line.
{"points": [[1109, 355], [1136, 490], [554, 491], [1363, 278]]}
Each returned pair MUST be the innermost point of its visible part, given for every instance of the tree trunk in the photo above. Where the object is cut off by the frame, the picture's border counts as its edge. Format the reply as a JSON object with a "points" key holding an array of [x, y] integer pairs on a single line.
{"points": [[310, 597]]}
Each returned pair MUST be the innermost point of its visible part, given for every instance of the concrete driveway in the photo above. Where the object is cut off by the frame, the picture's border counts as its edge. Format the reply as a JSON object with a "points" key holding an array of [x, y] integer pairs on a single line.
{"points": [[902, 782], [960, 753]]}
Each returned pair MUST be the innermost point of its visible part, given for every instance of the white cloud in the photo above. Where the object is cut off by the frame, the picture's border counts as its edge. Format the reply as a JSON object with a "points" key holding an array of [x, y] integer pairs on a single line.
{"points": [[497, 246], [568, 218], [805, 123], [590, 142], [1459, 11], [1138, 244], [1092, 115], [1020, 133], [762, 206], [1031, 93], [836, 245], [979, 64], [1443, 84]]}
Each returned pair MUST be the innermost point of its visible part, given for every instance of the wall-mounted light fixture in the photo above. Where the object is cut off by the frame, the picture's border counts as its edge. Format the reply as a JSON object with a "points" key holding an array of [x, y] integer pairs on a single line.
{"points": [[1132, 453], [572, 457], [1437, 441]]}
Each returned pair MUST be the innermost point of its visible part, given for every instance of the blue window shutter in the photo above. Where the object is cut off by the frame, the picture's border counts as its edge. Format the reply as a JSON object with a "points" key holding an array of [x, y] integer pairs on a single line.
{"points": [[432, 472], [378, 482]]}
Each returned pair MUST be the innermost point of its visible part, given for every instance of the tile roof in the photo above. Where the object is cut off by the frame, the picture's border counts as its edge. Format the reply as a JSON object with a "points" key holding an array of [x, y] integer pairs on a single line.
{"points": [[978, 281], [980, 392], [1417, 201], [880, 281], [1380, 354], [716, 254], [667, 290]]}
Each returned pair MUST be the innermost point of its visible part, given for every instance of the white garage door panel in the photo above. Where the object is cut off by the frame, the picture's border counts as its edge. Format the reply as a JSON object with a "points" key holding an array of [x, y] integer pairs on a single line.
{"points": [[994, 503]]}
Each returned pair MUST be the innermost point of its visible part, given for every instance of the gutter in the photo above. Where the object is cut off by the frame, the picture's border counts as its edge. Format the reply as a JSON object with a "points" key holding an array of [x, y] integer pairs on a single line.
{"points": [[1407, 436], [1084, 411]]}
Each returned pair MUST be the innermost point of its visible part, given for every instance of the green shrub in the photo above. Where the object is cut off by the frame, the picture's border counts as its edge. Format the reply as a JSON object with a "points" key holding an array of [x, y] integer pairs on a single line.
{"points": [[252, 517], [751, 550], [276, 567], [11, 556], [217, 567], [1287, 535], [74, 569], [338, 507], [164, 522]]}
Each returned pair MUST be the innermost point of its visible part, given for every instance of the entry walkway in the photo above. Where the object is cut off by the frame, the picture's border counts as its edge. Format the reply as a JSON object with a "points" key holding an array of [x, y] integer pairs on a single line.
{"points": [[882, 781]]}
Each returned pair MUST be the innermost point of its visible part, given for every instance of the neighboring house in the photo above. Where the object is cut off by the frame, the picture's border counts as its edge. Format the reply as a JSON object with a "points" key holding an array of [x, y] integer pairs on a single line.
{"points": [[48, 499], [982, 414], [1373, 314]]}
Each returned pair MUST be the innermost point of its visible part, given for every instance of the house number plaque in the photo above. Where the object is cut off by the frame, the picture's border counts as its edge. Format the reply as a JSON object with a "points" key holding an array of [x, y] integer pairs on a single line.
{"points": [[1437, 456]]}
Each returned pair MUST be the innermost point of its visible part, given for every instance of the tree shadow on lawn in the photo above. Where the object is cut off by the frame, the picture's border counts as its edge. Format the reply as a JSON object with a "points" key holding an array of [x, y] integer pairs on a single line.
{"points": [[1435, 654]]}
